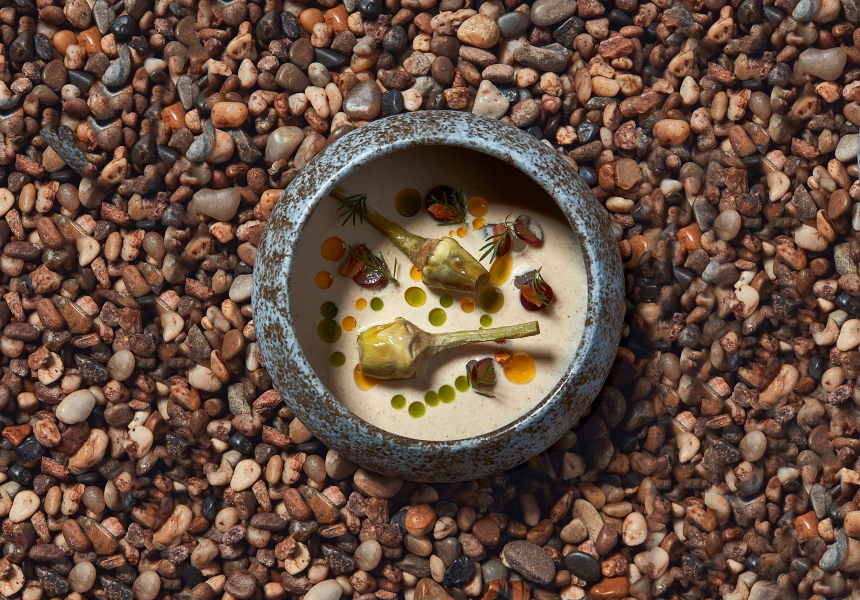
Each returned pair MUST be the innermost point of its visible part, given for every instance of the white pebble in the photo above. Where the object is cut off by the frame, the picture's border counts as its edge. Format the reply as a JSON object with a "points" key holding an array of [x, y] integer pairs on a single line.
{"points": [[121, 365], [634, 530], [76, 407], [849, 335]]}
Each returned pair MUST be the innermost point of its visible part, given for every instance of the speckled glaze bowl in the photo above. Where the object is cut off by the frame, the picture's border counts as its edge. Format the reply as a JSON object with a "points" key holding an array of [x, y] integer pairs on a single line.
{"points": [[375, 448]]}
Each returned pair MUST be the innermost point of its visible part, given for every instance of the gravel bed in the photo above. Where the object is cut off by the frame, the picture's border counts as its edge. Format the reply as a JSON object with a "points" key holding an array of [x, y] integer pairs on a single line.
{"points": [[145, 454]]}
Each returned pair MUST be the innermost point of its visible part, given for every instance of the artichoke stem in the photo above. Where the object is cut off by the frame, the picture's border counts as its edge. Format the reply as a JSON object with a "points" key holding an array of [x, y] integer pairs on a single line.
{"points": [[443, 341], [408, 243]]}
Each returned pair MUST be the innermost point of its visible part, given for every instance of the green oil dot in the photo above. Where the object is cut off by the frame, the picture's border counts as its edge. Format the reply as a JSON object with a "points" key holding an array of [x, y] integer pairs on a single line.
{"points": [[486, 320], [446, 300], [376, 304], [415, 296], [328, 310], [417, 410], [462, 383], [337, 359], [491, 300], [328, 331], [447, 394], [431, 398], [437, 317], [399, 402], [408, 202]]}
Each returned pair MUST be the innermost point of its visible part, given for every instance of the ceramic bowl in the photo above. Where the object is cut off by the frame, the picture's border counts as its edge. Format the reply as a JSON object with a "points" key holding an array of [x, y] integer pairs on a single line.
{"points": [[274, 300]]}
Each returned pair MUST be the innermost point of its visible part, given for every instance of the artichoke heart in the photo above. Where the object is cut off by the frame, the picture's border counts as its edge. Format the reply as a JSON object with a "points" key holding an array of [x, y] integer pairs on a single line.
{"points": [[449, 266]]}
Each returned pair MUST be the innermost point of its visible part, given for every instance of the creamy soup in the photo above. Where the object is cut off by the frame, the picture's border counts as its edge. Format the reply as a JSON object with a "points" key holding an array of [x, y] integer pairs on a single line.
{"points": [[331, 309]]}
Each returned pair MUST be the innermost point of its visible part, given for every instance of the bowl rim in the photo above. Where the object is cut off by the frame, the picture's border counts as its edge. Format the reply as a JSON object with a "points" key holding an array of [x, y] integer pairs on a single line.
{"points": [[431, 460]]}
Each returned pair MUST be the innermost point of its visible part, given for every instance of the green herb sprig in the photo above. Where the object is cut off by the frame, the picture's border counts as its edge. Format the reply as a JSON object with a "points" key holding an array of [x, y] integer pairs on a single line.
{"points": [[373, 263]]}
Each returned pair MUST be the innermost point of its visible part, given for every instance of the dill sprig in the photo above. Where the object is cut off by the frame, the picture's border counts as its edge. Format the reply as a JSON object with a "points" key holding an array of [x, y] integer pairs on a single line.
{"points": [[538, 285], [351, 206], [481, 382], [374, 263], [498, 244], [455, 203]]}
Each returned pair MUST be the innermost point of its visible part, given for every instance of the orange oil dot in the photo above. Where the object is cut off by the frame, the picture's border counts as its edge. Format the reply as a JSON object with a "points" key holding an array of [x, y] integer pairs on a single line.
{"points": [[348, 323], [452, 233], [361, 304], [333, 249], [415, 273], [462, 231], [520, 368], [323, 280], [477, 206], [479, 222], [364, 382], [467, 304]]}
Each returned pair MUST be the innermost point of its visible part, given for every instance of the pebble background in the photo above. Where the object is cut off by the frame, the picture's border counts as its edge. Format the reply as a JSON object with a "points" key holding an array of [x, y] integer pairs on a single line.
{"points": [[142, 146]]}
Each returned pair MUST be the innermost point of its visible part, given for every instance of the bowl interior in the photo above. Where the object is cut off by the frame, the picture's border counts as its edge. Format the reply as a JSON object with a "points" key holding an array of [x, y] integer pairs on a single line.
{"points": [[330, 309]]}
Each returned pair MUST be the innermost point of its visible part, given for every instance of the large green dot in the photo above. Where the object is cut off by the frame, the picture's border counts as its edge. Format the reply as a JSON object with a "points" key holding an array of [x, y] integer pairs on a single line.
{"points": [[328, 331], [447, 394], [415, 296], [417, 410], [446, 300], [337, 359], [328, 310], [398, 401], [491, 299], [376, 304], [408, 202], [431, 398], [462, 383], [437, 317]]}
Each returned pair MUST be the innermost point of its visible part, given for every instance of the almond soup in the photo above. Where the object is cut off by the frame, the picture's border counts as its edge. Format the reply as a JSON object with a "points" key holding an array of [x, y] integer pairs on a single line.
{"points": [[540, 267]]}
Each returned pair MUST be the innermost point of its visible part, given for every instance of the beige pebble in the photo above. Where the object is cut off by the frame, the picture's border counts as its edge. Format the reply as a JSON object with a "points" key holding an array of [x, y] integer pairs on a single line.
{"points": [[90, 453], [174, 528], [228, 115], [671, 131], [688, 446], [849, 335], [12, 582], [245, 474], [25, 504]]}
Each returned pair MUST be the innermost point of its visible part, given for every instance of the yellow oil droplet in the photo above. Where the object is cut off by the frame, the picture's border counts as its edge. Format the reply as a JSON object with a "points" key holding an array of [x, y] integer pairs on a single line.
{"points": [[348, 323], [333, 249], [361, 304], [477, 206], [323, 280], [501, 269], [452, 233], [415, 273], [520, 368], [364, 382], [467, 304], [462, 232], [479, 222]]}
